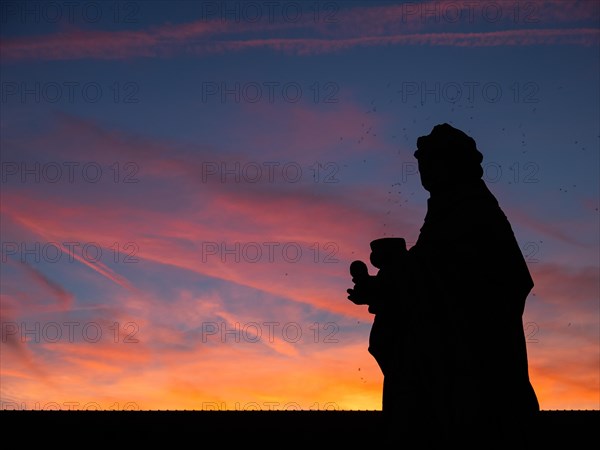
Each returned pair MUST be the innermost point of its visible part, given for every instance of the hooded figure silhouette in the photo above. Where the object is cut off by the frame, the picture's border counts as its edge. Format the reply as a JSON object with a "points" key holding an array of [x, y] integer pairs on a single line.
{"points": [[462, 360], [470, 283]]}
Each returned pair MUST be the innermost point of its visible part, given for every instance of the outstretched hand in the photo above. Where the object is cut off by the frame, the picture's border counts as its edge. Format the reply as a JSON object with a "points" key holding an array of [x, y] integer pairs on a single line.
{"points": [[356, 296], [363, 291]]}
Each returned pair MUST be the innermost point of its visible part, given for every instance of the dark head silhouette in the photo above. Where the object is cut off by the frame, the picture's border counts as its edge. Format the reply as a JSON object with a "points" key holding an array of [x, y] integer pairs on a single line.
{"points": [[447, 157], [448, 332]]}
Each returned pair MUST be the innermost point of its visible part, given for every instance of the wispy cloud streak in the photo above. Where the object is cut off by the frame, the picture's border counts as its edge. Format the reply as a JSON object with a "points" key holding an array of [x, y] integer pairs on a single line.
{"points": [[439, 23]]}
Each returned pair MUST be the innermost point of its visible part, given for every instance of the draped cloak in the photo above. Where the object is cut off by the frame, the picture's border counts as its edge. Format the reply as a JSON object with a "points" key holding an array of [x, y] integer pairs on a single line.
{"points": [[462, 352]]}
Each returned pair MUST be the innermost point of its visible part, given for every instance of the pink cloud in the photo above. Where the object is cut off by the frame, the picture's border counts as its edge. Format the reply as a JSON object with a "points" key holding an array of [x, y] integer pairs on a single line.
{"points": [[300, 136], [63, 297], [429, 23], [69, 47], [545, 228], [49, 237], [304, 47], [309, 281], [14, 352], [567, 287]]}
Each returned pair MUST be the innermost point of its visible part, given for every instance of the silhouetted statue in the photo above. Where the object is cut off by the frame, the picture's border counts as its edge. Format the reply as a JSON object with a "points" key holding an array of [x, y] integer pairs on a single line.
{"points": [[463, 372]]}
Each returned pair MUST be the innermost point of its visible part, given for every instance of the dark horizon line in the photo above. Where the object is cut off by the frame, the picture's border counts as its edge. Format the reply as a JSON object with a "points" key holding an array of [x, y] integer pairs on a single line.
{"points": [[248, 410]]}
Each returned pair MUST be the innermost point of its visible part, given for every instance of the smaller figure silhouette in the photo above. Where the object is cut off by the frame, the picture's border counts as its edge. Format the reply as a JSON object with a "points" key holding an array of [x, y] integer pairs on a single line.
{"points": [[380, 293]]}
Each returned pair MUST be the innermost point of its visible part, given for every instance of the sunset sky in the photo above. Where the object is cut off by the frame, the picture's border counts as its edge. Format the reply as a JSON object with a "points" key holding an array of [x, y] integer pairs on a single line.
{"points": [[185, 183]]}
